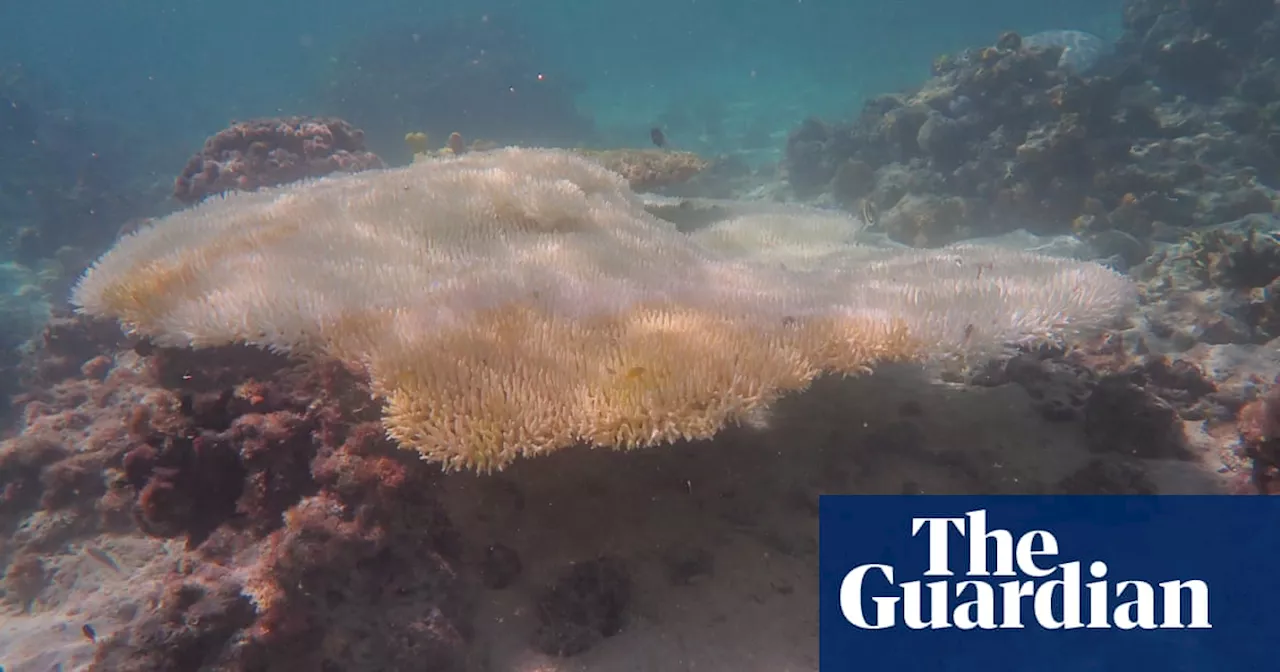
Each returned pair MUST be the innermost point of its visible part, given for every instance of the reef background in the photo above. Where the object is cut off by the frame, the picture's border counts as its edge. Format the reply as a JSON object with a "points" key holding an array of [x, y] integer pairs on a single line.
{"points": [[229, 510]]}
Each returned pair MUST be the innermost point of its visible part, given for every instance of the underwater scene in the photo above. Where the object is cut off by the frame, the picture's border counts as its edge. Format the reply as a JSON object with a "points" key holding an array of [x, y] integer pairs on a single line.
{"points": [[524, 336]]}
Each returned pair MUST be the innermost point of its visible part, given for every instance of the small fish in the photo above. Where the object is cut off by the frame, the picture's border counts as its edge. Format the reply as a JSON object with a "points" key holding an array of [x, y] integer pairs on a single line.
{"points": [[635, 372], [89, 633], [103, 557], [870, 213], [658, 137]]}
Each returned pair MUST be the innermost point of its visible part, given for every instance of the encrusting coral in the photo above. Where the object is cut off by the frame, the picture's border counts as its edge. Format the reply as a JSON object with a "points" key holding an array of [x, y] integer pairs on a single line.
{"points": [[518, 301]]}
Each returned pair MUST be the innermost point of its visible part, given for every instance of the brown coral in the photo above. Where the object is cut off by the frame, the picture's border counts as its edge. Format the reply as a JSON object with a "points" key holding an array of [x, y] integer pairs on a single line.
{"points": [[1259, 426], [228, 449], [649, 169], [258, 153]]}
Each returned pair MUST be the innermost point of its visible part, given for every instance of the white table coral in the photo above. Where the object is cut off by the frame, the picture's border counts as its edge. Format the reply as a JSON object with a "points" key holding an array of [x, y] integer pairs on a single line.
{"points": [[518, 301]]}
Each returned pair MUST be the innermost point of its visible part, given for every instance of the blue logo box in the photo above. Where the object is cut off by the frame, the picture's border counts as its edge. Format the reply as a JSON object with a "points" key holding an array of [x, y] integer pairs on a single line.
{"points": [[1039, 584]]}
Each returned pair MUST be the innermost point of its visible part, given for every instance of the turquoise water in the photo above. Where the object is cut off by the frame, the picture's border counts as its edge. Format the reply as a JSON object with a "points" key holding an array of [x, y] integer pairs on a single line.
{"points": [[171, 73]]}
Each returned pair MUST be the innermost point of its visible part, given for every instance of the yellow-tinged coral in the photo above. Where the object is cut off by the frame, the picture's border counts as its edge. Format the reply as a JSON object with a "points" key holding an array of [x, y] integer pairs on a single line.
{"points": [[454, 146], [519, 301], [416, 141], [520, 381], [649, 169]]}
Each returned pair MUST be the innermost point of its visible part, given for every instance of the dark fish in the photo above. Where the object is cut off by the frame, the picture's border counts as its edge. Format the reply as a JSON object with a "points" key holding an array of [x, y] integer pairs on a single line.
{"points": [[89, 633], [657, 136]]}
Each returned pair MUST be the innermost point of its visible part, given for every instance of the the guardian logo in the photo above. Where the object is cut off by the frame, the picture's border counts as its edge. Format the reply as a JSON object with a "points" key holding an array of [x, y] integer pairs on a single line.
{"points": [[1038, 589]]}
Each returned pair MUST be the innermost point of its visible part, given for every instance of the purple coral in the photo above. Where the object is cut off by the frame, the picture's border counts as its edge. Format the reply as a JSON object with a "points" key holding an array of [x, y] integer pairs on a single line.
{"points": [[258, 153]]}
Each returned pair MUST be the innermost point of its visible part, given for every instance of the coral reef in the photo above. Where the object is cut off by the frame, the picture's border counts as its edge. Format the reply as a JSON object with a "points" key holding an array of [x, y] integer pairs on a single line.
{"points": [[515, 302], [1199, 348], [174, 500], [1158, 156], [1080, 50], [233, 509], [1212, 52], [301, 539], [304, 541], [1216, 286], [1212, 297], [1169, 131], [258, 153]]}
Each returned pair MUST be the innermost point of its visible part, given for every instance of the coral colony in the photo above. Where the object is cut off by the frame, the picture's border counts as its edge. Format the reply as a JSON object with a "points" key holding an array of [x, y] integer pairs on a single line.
{"points": [[519, 301], [267, 152]]}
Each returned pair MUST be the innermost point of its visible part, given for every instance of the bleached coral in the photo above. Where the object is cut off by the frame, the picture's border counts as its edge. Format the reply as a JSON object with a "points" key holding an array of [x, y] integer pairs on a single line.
{"points": [[518, 301]]}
